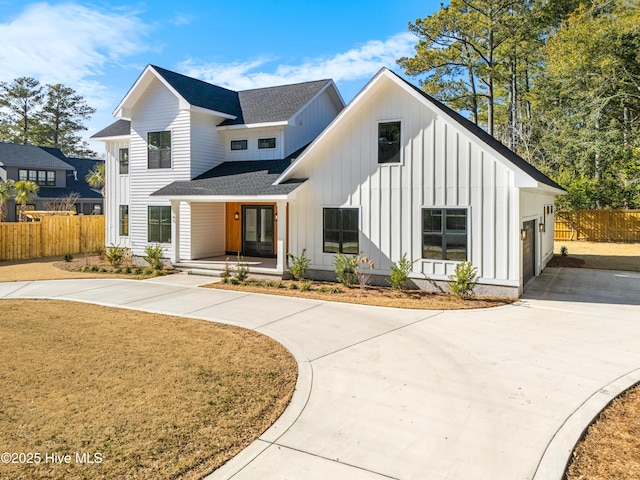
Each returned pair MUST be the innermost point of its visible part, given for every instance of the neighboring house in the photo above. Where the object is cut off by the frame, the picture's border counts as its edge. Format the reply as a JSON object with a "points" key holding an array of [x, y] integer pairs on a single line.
{"points": [[394, 172], [57, 175]]}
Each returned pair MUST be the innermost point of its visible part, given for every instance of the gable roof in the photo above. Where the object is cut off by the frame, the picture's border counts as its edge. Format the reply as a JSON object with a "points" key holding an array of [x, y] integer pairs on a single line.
{"points": [[275, 104], [237, 178], [119, 128], [30, 156], [486, 139]]}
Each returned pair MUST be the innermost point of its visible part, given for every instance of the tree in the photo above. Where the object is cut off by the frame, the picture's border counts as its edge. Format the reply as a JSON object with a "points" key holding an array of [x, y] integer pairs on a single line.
{"points": [[20, 100], [96, 178], [7, 191], [60, 120], [25, 189]]}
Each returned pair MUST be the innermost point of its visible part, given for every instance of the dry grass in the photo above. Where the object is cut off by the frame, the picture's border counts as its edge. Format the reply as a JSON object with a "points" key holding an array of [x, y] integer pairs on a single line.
{"points": [[157, 396], [378, 296], [607, 256], [611, 448]]}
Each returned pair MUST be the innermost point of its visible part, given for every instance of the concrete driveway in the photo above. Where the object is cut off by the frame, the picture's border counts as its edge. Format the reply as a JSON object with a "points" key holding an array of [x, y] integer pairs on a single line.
{"points": [[492, 394]]}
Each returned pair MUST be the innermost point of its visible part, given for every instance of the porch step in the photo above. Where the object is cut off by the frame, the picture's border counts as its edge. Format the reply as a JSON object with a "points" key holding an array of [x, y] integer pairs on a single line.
{"points": [[215, 269]]}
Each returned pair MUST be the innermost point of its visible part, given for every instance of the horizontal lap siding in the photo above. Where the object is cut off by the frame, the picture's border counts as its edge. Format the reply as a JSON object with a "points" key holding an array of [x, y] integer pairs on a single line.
{"points": [[156, 111], [443, 166], [207, 230]]}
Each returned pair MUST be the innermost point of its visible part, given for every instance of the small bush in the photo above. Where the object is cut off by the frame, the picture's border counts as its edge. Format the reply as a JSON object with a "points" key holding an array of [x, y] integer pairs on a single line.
{"points": [[115, 255], [306, 286], [280, 285], [364, 275], [234, 281], [564, 251], [399, 278], [345, 268], [103, 270], [270, 284], [299, 265], [293, 286], [95, 268], [149, 271], [154, 256], [226, 272], [117, 270], [335, 290], [242, 269], [86, 268], [99, 250], [464, 280], [67, 257], [127, 270], [138, 271]]}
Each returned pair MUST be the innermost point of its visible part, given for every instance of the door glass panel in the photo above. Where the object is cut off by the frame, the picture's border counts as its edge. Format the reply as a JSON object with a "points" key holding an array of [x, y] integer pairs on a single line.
{"points": [[251, 224], [266, 225]]}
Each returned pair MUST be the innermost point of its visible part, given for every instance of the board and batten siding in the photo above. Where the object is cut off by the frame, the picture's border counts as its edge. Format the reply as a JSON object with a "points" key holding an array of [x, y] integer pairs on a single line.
{"points": [[442, 166], [117, 194], [309, 122], [156, 111], [533, 207]]}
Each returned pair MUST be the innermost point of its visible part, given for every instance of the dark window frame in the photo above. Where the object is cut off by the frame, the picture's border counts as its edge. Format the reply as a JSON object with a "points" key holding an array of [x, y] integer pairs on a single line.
{"points": [[159, 150], [161, 234], [340, 232], [123, 220], [442, 231], [124, 162], [266, 143], [44, 178], [239, 145], [389, 142]]}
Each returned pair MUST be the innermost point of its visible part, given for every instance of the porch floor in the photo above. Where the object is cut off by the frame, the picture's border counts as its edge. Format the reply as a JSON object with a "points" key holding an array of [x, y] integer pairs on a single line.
{"points": [[215, 265]]}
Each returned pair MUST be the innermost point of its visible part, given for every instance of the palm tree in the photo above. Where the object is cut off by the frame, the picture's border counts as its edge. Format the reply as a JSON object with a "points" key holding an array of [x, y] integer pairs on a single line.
{"points": [[7, 190], [95, 178], [24, 190]]}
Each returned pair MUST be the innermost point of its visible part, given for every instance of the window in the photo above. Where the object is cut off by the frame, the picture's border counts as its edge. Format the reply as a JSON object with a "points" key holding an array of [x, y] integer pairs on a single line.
{"points": [[159, 153], [44, 178], [389, 142], [239, 145], [267, 143], [124, 161], [159, 224], [124, 220], [444, 234], [340, 230]]}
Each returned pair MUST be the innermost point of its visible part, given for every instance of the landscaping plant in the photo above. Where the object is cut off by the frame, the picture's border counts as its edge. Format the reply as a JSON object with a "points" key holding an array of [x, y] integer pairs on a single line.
{"points": [[115, 255], [464, 280], [242, 269], [399, 278], [154, 256], [299, 265], [345, 267], [564, 251], [364, 275]]}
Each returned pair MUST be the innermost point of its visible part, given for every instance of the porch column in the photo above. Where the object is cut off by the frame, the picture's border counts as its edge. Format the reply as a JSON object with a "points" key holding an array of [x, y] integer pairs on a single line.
{"points": [[175, 231], [281, 255]]}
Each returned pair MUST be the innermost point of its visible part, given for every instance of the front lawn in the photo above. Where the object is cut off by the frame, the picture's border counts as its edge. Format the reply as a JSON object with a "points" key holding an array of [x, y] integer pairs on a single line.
{"points": [[142, 395]]}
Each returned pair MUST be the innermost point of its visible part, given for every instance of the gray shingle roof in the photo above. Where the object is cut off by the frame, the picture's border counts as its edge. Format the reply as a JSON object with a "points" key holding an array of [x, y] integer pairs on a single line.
{"points": [[240, 178], [202, 94], [275, 104], [116, 129], [30, 156]]}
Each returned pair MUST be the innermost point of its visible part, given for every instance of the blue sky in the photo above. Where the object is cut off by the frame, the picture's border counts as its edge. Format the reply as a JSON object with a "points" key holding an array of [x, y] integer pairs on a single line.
{"points": [[99, 48]]}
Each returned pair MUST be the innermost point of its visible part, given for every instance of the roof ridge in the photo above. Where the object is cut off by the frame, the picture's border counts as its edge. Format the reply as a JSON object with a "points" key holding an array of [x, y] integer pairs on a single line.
{"points": [[155, 67], [323, 80]]}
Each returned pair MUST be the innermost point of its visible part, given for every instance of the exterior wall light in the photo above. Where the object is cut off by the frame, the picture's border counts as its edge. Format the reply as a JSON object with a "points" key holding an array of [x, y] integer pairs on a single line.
{"points": [[236, 216], [541, 227], [523, 234]]}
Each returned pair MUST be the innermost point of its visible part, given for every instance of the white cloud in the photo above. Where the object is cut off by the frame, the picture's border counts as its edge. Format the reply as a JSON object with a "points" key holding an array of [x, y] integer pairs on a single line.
{"points": [[69, 43], [357, 63]]}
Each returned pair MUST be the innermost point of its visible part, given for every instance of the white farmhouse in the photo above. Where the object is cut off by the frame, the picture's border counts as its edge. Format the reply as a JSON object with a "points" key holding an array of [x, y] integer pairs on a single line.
{"points": [[209, 172]]}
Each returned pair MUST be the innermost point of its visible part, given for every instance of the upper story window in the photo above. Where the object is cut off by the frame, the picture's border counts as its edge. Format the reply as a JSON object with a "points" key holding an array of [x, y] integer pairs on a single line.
{"points": [[44, 178], [267, 142], [389, 142], [444, 233], [124, 161], [239, 144], [159, 150]]}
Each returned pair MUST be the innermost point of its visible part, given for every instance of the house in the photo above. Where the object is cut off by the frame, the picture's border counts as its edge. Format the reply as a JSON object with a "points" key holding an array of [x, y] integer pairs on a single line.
{"points": [[56, 174], [208, 172]]}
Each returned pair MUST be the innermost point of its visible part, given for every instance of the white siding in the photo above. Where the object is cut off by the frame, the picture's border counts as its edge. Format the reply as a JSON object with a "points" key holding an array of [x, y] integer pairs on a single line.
{"points": [[156, 111], [442, 166], [207, 230], [207, 144], [533, 207], [252, 135], [117, 193], [309, 123]]}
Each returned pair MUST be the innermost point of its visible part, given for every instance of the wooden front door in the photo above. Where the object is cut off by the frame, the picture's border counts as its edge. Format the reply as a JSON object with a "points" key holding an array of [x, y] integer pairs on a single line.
{"points": [[257, 230]]}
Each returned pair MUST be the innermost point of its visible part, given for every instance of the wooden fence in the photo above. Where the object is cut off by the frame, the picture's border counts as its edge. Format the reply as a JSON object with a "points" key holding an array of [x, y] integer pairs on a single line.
{"points": [[598, 225], [51, 236]]}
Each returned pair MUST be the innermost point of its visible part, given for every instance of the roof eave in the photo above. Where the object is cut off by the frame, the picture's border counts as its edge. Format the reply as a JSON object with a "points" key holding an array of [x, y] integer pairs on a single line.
{"points": [[243, 126]]}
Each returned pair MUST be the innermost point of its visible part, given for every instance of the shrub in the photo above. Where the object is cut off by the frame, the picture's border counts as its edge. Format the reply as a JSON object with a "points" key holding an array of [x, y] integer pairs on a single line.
{"points": [[399, 278], [226, 272], [293, 286], [138, 271], [242, 269], [299, 265], [564, 251], [464, 280], [280, 285], [115, 255], [306, 286], [345, 268], [67, 257], [154, 256], [364, 275], [127, 270], [95, 268]]}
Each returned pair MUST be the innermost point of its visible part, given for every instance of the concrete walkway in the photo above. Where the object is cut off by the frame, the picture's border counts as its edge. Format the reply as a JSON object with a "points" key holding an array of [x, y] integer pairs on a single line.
{"points": [[491, 394]]}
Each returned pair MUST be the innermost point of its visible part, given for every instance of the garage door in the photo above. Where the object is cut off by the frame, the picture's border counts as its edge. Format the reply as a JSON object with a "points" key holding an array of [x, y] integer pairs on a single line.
{"points": [[528, 252]]}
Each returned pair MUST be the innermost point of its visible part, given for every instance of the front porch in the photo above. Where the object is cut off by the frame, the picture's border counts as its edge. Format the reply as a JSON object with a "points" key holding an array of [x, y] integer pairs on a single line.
{"points": [[214, 266]]}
